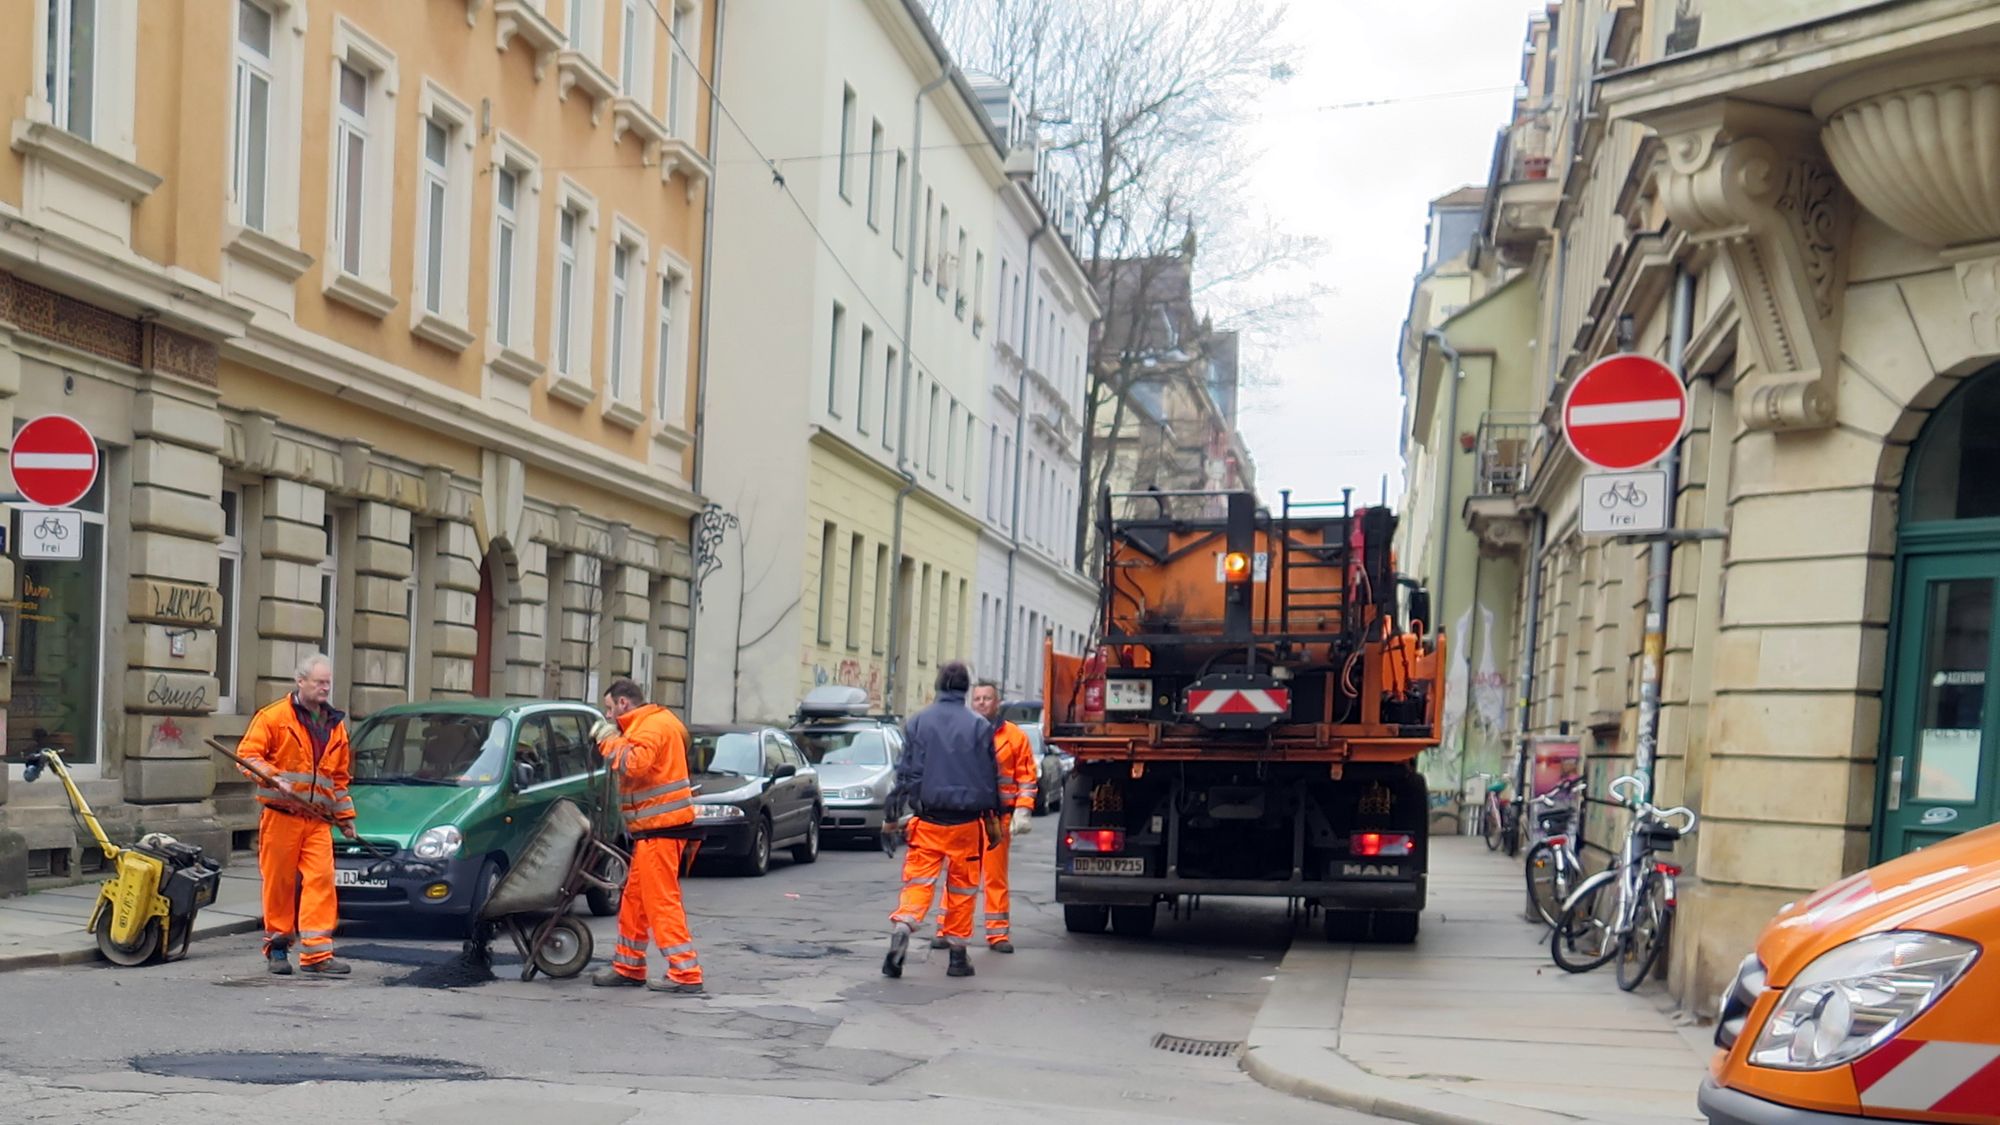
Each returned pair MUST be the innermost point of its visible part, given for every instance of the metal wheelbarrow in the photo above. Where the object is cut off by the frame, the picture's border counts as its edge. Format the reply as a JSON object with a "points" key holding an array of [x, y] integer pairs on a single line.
{"points": [[531, 904]]}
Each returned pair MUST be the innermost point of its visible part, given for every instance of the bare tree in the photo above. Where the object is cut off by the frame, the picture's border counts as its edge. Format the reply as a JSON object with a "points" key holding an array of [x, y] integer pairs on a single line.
{"points": [[1143, 108]]}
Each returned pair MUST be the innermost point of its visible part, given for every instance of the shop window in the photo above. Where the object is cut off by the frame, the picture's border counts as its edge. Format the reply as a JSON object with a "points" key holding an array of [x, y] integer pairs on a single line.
{"points": [[1956, 475], [58, 643], [329, 587], [229, 592]]}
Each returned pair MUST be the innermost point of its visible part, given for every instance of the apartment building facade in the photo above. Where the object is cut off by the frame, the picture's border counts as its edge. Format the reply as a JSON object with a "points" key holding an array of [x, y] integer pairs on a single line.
{"points": [[382, 317], [843, 423], [1709, 184]]}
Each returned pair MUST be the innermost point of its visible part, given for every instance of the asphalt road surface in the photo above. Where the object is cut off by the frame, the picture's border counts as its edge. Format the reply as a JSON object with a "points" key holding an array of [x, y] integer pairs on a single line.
{"points": [[799, 1024]]}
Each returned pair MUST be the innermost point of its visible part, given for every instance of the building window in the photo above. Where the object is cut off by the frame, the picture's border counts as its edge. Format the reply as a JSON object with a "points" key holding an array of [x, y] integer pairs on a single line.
{"points": [[970, 440], [958, 277], [828, 537], [854, 592], [566, 277], [586, 26], [229, 591], [515, 217], [922, 646], [936, 423], [670, 390], [943, 617], [681, 86], [411, 585], [72, 65], [436, 182], [576, 229], [846, 141], [875, 175], [352, 198], [992, 472], [362, 164], [506, 230], [978, 292], [881, 634], [1001, 319], [951, 449], [250, 177], [866, 366], [896, 211], [443, 206], [632, 47], [930, 233], [889, 371], [622, 256], [329, 587], [833, 360], [943, 251]]}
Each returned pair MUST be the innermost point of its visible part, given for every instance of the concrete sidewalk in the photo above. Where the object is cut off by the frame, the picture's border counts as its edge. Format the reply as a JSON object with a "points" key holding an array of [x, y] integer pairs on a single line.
{"points": [[47, 927], [1474, 1024]]}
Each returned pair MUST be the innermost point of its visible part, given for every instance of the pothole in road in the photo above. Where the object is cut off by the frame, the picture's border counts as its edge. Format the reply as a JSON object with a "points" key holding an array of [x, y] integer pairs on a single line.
{"points": [[283, 1068], [796, 950], [1198, 1048]]}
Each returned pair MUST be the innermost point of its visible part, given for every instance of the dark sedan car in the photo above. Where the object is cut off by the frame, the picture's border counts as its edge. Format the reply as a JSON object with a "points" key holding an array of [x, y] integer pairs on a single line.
{"points": [[754, 793]]}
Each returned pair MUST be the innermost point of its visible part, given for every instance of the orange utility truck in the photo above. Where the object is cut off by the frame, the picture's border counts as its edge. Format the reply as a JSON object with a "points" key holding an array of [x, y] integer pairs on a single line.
{"points": [[1248, 717]]}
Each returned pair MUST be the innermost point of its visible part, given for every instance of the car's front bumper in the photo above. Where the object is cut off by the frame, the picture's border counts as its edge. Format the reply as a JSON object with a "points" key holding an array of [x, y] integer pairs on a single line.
{"points": [[725, 837], [1723, 1106], [856, 817], [402, 892]]}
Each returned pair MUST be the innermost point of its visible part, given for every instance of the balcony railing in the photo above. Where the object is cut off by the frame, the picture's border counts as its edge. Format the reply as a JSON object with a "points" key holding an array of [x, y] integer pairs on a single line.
{"points": [[1505, 443]]}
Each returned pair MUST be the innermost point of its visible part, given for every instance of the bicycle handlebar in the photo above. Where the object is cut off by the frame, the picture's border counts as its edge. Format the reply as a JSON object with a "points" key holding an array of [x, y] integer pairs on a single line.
{"points": [[1648, 808]]}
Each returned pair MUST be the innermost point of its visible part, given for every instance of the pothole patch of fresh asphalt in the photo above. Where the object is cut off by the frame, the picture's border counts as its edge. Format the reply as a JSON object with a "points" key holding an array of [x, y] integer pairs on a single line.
{"points": [[285, 1068]]}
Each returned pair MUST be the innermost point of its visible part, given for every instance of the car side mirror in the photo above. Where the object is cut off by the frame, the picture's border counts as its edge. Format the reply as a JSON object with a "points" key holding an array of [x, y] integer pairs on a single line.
{"points": [[784, 771], [524, 775]]}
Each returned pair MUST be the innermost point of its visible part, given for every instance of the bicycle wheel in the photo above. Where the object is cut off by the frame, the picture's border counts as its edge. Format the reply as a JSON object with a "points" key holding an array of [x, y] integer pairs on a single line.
{"points": [[1642, 948], [1548, 880], [1492, 823], [1585, 937]]}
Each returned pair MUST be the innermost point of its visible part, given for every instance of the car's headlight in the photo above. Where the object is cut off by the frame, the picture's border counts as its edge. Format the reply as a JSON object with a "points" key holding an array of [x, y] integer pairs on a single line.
{"points": [[717, 812], [855, 793], [441, 842], [1857, 996]]}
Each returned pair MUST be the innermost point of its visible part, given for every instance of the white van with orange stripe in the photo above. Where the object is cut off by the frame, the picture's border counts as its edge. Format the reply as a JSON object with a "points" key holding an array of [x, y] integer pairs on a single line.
{"points": [[1877, 999]]}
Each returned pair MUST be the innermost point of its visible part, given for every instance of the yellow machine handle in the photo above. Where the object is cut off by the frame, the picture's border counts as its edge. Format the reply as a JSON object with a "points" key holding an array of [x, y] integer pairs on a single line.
{"points": [[53, 760]]}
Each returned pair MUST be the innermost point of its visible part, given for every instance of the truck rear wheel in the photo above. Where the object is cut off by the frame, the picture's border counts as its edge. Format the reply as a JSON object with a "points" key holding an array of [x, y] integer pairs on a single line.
{"points": [[1085, 919], [1134, 921]]}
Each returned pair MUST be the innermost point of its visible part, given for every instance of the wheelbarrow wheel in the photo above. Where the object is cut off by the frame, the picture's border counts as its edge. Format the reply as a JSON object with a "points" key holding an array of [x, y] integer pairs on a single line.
{"points": [[139, 952], [566, 949], [606, 903]]}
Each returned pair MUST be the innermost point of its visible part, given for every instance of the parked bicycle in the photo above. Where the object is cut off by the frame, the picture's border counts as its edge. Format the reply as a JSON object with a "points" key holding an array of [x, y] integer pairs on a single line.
{"points": [[1626, 911], [1496, 818], [1552, 866]]}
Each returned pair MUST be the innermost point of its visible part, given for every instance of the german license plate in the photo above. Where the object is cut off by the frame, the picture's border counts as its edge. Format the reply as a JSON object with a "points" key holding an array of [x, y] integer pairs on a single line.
{"points": [[348, 877], [1100, 865], [1128, 695]]}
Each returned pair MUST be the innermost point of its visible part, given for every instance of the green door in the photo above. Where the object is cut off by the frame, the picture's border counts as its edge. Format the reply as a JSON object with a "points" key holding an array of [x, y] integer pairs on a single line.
{"points": [[1944, 738]]}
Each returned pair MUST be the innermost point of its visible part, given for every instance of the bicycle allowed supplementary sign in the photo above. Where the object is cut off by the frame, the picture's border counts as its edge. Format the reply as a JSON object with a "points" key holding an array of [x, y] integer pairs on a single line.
{"points": [[1624, 503], [50, 533]]}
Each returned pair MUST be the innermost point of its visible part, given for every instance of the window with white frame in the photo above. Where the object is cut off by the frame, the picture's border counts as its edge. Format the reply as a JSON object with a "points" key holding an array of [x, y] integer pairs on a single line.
{"points": [[958, 277], [444, 207], [250, 172], [889, 384], [943, 251], [431, 210], [951, 447], [329, 587], [935, 425], [635, 48], [363, 161], [586, 26], [628, 290], [229, 590], [513, 265], [576, 227], [971, 434], [71, 72], [930, 233], [862, 372], [846, 174], [993, 472], [833, 357], [683, 85], [411, 586], [670, 390], [875, 175], [978, 292], [897, 190]]}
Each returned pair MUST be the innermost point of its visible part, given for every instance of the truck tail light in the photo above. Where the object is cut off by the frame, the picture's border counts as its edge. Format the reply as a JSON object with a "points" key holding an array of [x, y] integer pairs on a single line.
{"points": [[1379, 844], [1097, 840], [1236, 567]]}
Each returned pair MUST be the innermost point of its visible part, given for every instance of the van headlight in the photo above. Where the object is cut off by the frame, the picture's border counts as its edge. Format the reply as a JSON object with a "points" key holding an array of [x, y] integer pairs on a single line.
{"points": [[441, 842], [1857, 996]]}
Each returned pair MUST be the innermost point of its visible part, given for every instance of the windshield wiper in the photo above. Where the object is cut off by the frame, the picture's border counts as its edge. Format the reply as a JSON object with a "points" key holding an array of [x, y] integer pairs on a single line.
{"points": [[405, 781]]}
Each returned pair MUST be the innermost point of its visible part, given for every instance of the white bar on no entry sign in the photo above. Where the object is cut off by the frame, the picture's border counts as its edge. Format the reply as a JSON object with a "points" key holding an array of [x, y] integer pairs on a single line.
{"points": [[1611, 413], [79, 461]]}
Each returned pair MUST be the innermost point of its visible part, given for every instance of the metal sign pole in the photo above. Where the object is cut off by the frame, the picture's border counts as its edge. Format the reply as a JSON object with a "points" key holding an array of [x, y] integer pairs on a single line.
{"points": [[1660, 557]]}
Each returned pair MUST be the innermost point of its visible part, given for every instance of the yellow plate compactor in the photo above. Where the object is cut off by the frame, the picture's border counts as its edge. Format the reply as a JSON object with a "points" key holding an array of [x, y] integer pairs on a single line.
{"points": [[145, 911]]}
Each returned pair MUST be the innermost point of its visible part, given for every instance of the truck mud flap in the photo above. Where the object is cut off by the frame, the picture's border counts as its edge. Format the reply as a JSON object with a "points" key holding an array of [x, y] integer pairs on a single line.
{"points": [[1120, 890]]}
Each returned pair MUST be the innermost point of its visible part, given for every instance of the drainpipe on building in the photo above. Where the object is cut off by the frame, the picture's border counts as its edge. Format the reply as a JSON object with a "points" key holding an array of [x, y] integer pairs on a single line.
{"points": [[1020, 442], [892, 682], [701, 346], [1660, 556]]}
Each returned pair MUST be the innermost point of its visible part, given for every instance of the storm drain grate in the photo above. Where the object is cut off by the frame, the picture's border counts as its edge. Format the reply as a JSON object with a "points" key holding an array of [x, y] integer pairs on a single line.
{"points": [[1199, 1048]]}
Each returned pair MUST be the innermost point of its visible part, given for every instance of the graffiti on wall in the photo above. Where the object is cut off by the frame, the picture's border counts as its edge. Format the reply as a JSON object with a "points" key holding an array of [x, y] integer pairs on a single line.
{"points": [[1463, 751], [852, 673]]}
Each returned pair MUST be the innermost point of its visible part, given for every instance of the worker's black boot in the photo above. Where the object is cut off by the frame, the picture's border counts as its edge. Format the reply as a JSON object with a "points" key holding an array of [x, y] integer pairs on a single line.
{"points": [[961, 964], [330, 967], [609, 977], [939, 942], [899, 947], [279, 959]]}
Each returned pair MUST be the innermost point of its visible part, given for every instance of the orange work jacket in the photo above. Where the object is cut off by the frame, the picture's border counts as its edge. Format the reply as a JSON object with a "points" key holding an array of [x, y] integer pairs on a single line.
{"points": [[278, 743], [1020, 774], [650, 758]]}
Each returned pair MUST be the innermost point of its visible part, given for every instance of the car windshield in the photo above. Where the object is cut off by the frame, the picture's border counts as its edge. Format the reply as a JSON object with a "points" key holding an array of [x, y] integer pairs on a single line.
{"points": [[429, 748], [844, 747], [725, 752], [1034, 733]]}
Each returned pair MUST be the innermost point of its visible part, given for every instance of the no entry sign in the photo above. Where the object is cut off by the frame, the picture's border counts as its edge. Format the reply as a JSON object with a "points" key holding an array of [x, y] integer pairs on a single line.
{"points": [[54, 461], [1625, 411]]}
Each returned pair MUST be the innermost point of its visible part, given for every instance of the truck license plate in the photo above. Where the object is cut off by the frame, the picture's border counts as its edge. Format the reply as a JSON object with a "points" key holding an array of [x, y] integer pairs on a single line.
{"points": [[1099, 865], [348, 877], [1128, 695]]}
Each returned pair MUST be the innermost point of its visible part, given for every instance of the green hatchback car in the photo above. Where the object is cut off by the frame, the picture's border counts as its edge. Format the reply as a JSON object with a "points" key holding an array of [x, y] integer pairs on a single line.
{"points": [[457, 788]]}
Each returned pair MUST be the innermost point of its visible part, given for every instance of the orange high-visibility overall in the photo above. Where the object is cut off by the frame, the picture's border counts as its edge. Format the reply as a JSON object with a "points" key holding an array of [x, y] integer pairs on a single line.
{"points": [[654, 793], [954, 848], [1020, 781], [294, 849]]}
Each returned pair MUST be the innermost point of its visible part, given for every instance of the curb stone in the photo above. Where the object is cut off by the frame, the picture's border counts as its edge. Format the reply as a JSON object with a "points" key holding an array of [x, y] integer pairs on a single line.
{"points": [[50, 959], [1283, 1068]]}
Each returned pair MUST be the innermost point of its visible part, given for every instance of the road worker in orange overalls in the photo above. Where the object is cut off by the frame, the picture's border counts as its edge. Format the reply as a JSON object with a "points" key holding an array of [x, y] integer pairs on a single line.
{"points": [[1020, 781], [298, 748], [646, 746], [946, 801]]}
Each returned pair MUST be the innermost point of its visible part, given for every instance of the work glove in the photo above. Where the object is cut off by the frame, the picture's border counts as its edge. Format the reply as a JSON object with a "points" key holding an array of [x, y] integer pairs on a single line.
{"points": [[1022, 821], [347, 829], [604, 729]]}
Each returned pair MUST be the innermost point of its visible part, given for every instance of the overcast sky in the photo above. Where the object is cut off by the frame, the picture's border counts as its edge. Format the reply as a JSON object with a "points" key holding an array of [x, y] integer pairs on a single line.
{"points": [[1326, 412]]}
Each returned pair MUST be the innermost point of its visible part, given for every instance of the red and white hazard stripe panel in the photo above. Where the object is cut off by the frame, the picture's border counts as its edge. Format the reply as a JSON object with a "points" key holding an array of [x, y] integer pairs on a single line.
{"points": [[1239, 701], [1932, 1076]]}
